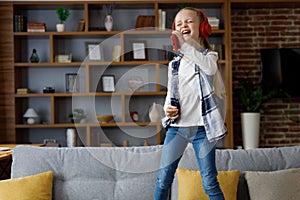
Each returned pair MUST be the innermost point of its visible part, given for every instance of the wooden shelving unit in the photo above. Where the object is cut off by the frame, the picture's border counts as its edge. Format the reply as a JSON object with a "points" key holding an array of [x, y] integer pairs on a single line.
{"points": [[53, 108]]}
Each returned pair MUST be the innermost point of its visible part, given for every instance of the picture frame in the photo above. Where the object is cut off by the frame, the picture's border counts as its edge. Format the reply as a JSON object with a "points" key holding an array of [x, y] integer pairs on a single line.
{"points": [[94, 51], [72, 84], [139, 50], [108, 83]]}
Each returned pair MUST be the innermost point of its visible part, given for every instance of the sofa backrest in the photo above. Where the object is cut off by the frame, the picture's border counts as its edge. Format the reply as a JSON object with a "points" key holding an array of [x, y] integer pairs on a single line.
{"points": [[93, 173], [260, 159], [130, 173]]}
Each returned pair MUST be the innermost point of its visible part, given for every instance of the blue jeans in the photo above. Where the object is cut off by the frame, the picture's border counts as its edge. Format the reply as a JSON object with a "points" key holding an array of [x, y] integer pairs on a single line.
{"points": [[174, 145]]}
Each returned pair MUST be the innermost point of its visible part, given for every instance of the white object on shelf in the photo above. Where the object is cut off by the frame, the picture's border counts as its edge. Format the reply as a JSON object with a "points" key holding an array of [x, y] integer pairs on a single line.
{"points": [[116, 53], [154, 113], [60, 27], [214, 22], [71, 137], [30, 114], [162, 19]]}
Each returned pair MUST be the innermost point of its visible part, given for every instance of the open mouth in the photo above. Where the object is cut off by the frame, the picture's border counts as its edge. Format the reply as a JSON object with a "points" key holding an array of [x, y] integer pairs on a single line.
{"points": [[186, 32]]}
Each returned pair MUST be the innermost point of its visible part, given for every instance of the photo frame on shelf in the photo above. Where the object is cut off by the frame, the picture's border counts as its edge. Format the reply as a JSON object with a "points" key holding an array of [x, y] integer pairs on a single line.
{"points": [[139, 50], [108, 83], [72, 84], [94, 51]]}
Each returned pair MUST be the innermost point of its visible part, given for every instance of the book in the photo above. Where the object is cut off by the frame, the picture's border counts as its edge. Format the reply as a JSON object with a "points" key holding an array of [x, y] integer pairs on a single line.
{"points": [[22, 91], [36, 30], [163, 19], [20, 23], [36, 27], [159, 18], [63, 58], [145, 21], [214, 22]]}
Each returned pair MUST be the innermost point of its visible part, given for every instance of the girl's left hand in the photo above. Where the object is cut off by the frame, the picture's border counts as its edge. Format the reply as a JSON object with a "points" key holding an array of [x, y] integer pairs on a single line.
{"points": [[179, 37]]}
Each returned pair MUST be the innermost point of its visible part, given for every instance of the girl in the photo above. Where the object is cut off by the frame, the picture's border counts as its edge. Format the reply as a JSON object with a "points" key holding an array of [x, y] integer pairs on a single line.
{"points": [[193, 104]]}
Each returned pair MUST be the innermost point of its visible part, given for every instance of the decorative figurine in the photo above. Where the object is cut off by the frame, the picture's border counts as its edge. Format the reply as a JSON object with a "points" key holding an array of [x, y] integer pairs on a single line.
{"points": [[34, 57]]}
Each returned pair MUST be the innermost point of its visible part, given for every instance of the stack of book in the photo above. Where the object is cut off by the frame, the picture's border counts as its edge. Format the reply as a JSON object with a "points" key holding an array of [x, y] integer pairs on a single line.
{"points": [[161, 19], [36, 27], [23, 91], [20, 23], [63, 58], [214, 22]]}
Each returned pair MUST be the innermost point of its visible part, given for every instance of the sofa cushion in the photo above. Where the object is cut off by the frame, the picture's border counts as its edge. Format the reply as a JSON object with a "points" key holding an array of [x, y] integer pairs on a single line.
{"points": [[275, 185], [260, 159], [93, 172], [190, 184], [37, 186]]}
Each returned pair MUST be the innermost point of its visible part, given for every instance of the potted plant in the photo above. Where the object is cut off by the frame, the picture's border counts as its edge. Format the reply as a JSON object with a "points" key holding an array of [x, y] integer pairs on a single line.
{"points": [[63, 15], [77, 116], [252, 97]]}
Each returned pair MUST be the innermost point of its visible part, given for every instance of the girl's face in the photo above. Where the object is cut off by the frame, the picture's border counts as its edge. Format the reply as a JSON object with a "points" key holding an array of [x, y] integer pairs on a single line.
{"points": [[187, 23]]}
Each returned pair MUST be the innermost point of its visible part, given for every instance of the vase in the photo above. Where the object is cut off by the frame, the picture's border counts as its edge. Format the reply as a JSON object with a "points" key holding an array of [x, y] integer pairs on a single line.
{"points": [[34, 58], [60, 27], [154, 113], [108, 23], [250, 130], [71, 137]]}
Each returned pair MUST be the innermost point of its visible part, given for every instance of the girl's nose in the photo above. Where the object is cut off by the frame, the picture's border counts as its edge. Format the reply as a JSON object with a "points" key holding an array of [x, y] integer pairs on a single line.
{"points": [[184, 24]]}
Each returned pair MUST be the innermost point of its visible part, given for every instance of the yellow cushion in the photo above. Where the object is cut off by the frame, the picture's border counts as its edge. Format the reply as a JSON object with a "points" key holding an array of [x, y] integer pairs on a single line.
{"points": [[190, 184], [30, 187]]}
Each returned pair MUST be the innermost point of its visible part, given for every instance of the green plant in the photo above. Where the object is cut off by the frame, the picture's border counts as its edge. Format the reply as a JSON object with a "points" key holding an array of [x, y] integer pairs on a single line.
{"points": [[251, 95], [77, 115], [63, 14], [109, 8]]}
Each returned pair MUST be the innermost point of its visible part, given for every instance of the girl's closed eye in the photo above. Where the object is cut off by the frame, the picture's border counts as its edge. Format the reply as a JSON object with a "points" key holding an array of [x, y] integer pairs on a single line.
{"points": [[179, 24]]}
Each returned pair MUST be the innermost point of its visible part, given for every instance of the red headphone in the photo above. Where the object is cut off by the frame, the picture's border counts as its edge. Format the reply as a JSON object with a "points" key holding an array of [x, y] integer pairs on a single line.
{"points": [[204, 27]]}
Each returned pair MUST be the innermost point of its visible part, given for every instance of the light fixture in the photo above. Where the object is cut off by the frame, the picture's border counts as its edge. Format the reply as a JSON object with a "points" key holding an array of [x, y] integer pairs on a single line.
{"points": [[30, 114]]}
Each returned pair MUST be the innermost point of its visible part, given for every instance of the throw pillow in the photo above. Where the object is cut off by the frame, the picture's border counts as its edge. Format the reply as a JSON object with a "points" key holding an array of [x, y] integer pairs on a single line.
{"points": [[274, 185], [30, 187], [190, 184]]}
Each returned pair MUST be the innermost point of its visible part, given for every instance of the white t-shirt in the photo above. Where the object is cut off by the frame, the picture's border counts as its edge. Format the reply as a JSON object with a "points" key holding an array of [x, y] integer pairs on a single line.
{"points": [[189, 88]]}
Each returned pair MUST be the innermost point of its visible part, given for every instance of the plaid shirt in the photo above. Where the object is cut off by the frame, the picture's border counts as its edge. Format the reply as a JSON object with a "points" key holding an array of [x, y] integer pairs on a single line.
{"points": [[212, 116]]}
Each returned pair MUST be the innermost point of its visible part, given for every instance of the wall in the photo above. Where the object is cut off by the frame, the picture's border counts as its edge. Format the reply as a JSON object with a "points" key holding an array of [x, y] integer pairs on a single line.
{"points": [[253, 29]]}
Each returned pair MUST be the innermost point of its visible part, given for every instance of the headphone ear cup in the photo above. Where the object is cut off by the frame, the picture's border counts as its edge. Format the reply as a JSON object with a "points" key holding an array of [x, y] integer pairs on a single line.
{"points": [[204, 29]]}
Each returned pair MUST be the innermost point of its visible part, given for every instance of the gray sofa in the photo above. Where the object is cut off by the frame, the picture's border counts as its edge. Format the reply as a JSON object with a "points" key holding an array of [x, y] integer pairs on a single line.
{"points": [[129, 173]]}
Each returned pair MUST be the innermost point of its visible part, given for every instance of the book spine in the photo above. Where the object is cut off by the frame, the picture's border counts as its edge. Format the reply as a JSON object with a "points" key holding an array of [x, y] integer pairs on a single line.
{"points": [[20, 23], [36, 30], [163, 19], [159, 18]]}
